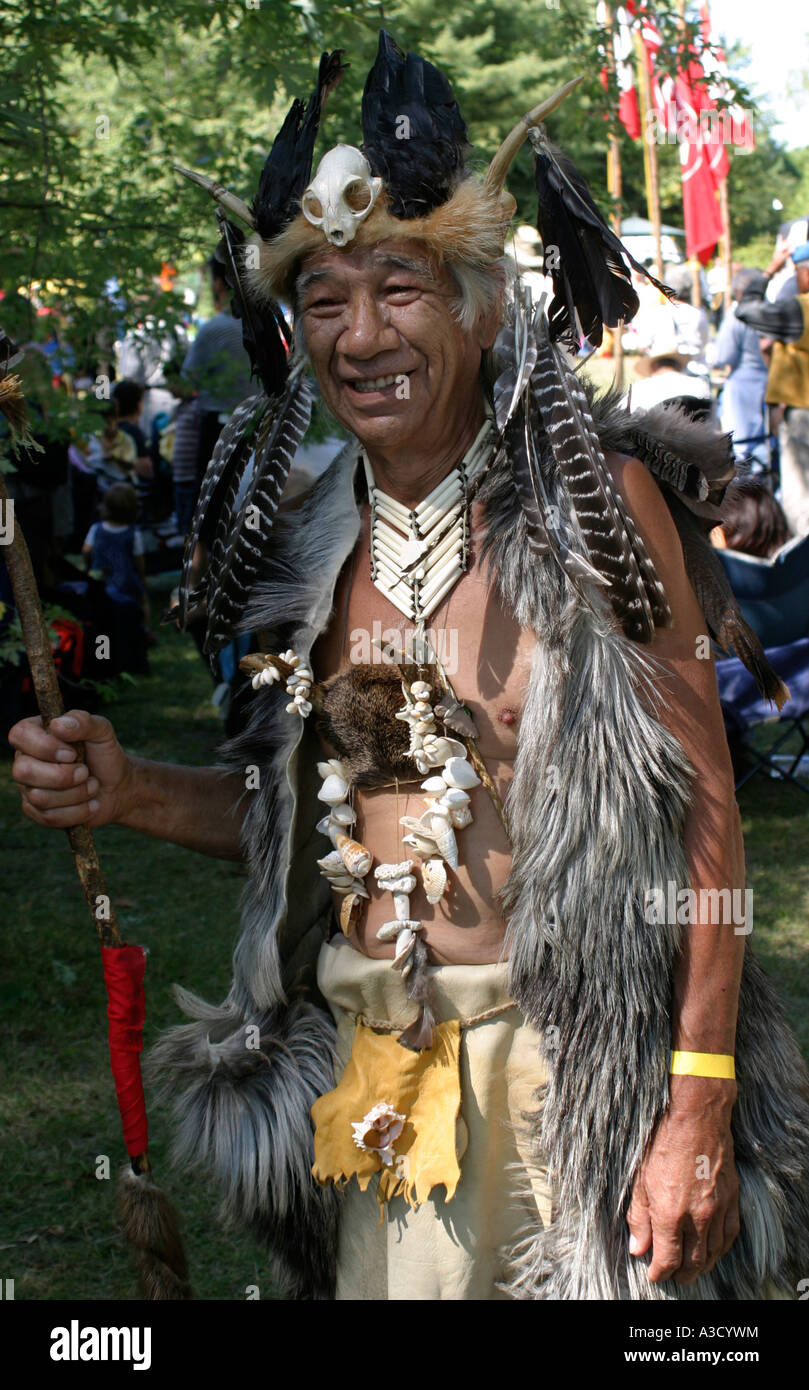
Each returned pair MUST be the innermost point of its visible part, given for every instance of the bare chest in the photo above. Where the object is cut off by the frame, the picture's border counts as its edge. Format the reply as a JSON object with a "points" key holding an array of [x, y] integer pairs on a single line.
{"points": [[483, 651], [487, 658]]}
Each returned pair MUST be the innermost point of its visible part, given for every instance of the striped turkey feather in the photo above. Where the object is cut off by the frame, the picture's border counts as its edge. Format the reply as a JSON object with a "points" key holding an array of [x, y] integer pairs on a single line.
{"points": [[547, 528], [517, 345], [249, 509], [612, 541], [228, 461]]}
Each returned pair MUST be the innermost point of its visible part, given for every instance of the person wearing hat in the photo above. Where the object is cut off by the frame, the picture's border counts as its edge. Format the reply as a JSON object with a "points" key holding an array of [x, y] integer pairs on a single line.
{"points": [[785, 325], [664, 378]]}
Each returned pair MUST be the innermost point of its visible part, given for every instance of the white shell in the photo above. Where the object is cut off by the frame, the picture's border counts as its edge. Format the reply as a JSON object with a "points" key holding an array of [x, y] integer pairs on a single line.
{"points": [[460, 817], [445, 841], [383, 873], [401, 906], [334, 790], [419, 844], [324, 203], [343, 815], [352, 885], [458, 772], [389, 931], [405, 884], [454, 797], [256, 680], [332, 863], [434, 878], [434, 784], [420, 689], [333, 765], [405, 942], [323, 826]]}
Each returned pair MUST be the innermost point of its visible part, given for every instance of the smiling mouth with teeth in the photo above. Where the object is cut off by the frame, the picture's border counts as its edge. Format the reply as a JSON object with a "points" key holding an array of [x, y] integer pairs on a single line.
{"points": [[377, 383]]}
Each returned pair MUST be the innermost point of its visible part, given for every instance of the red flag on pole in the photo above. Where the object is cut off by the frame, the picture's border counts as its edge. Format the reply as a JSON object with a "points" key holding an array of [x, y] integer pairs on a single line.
{"points": [[703, 222], [623, 50]]}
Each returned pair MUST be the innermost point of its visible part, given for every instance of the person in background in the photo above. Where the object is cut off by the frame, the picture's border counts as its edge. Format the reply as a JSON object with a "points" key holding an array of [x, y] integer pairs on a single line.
{"points": [[664, 379], [114, 547], [752, 520], [179, 443], [688, 322], [738, 347], [128, 398], [785, 325], [217, 367]]}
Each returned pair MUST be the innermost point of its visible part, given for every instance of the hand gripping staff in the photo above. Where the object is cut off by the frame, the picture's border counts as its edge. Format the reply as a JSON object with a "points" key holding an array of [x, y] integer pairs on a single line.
{"points": [[148, 1219]]}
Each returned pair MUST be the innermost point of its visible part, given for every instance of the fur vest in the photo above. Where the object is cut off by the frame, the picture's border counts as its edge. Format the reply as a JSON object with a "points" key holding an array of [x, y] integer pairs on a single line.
{"points": [[586, 968]]}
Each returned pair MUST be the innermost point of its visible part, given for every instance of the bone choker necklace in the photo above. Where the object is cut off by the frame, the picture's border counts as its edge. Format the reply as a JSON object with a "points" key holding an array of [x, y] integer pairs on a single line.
{"points": [[418, 555]]}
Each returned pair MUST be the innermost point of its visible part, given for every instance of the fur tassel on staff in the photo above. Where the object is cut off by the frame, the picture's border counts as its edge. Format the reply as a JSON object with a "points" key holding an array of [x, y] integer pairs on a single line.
{"points": [[148, 1219]]}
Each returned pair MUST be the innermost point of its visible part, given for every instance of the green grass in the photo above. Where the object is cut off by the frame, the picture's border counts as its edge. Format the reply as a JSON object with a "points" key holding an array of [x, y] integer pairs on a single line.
{"points": [[58, 1237]]}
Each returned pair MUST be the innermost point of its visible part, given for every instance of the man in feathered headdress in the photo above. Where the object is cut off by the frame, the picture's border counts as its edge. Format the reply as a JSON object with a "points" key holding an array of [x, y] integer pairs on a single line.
{"points": [[493, 967]]}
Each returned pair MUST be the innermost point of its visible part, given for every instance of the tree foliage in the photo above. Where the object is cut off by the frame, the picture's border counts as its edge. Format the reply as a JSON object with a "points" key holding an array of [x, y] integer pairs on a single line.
{"points": [[97, 100]]}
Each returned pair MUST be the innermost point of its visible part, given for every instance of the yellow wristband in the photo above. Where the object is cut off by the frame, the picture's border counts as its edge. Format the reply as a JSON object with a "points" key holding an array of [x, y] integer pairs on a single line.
{"points": [[716, 1064]]}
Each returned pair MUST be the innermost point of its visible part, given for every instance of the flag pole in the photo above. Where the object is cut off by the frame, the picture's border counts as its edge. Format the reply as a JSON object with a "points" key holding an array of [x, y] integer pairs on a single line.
{"points": [[614, 187], [650, 168], [696, 286]]}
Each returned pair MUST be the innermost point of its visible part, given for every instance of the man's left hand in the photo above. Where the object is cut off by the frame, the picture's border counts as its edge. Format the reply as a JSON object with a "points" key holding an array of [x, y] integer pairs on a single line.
{"points": [[685, 1201]]}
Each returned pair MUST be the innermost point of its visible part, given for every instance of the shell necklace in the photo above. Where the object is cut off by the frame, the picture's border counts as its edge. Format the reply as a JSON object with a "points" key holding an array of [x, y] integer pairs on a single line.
{"points": [[418, 555]]}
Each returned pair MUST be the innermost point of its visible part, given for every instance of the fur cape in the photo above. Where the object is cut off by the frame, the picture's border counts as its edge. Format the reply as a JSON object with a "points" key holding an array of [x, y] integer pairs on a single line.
{"points": [[585, 966]]}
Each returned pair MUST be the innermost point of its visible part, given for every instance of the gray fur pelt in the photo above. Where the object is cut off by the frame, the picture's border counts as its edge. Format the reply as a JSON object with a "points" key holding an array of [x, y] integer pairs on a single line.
{"points": [[585, 967]]}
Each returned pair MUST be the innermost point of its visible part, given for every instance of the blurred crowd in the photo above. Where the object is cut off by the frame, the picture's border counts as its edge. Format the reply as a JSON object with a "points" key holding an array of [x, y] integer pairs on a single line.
{"points": [[736, 355]]}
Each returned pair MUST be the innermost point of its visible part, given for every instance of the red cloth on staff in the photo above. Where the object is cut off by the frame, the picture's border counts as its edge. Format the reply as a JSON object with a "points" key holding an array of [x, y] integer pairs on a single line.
{"points": [[124, 968]]}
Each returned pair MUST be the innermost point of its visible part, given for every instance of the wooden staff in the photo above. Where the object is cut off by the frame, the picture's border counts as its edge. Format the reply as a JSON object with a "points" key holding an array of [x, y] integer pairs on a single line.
{"points": [[149, 1221]]}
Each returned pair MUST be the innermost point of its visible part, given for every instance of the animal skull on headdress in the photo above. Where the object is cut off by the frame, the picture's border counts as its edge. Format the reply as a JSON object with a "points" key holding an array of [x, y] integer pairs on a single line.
{"points": [[341, 194]]}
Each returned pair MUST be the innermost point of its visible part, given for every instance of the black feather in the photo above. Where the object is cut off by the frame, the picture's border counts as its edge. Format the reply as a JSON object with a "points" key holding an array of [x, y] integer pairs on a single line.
{"points": [[414, 136], [584, 258], [265, 333], [288, 167]]}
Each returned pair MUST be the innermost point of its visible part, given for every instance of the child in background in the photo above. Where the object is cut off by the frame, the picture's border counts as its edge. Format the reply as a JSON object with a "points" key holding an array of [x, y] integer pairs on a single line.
{"points": [[114, 546]]}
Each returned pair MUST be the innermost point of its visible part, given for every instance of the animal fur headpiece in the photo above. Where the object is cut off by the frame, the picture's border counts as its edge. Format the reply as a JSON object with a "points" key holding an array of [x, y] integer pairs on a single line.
{"points": [[410, 179]]}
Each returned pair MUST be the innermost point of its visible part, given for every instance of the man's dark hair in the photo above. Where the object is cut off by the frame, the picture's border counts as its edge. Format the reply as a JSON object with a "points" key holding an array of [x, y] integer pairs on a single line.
{"points": [[127, 395], [752, 519]]}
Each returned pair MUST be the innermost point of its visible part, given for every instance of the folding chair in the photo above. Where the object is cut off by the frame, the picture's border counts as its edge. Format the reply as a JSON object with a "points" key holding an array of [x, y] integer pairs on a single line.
{"points": [[774, 598], [746, 711]]}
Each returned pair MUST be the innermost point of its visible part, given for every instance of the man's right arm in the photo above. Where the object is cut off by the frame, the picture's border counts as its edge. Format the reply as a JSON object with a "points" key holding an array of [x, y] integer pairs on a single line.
{"points": [[197, 807]]}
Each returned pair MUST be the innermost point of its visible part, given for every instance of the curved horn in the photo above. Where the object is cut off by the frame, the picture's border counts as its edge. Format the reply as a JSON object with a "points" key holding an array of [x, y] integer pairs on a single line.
{"points": [[495, 175], [220, 194]]}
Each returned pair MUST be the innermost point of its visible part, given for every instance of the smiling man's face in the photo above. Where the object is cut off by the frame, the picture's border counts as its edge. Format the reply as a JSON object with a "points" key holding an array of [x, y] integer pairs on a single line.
{"points": [[392, 362]]}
